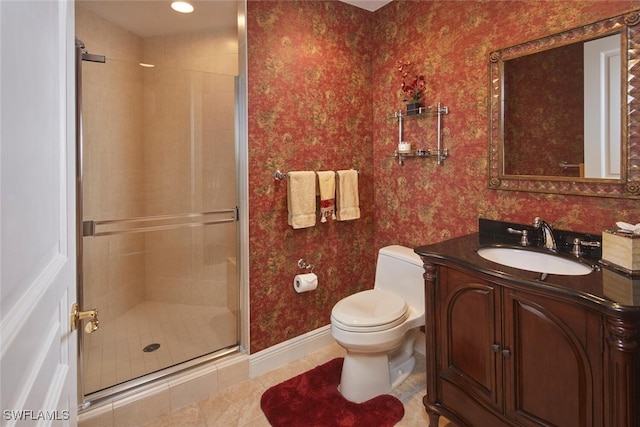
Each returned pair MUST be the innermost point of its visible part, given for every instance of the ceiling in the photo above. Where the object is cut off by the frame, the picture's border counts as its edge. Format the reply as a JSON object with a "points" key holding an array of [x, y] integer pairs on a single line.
{"points": [[149, 18]]}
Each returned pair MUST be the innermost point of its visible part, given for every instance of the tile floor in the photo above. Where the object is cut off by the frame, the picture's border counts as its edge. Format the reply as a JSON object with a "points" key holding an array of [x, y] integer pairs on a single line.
{"points": [[183, 331], [239, 405]]}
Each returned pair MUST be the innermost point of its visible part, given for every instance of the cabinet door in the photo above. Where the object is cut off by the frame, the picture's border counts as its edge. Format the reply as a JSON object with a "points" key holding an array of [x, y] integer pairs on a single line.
{"points": [[470, 328], [553, 363]]}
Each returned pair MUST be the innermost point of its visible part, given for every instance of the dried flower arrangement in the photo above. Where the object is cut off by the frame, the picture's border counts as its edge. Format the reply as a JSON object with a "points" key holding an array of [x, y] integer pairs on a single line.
{"points": [[413, 89]]}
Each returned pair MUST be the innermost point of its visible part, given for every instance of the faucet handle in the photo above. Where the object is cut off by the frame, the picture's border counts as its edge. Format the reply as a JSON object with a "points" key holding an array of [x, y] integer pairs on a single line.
{"points": [[524, 240], [577, 246]]}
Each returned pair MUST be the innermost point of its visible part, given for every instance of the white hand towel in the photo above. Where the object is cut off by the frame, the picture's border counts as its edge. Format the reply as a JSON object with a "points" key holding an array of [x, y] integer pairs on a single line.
{"points": [[301, 199], [348, 202], [327, 184]]}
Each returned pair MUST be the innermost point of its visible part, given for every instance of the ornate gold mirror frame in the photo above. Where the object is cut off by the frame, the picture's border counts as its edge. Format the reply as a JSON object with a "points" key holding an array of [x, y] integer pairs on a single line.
{"points": [[628, 186]]}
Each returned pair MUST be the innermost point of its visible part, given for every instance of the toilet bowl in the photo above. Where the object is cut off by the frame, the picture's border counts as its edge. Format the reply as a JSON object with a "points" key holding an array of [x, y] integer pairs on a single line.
{"points": [[378, 327]]}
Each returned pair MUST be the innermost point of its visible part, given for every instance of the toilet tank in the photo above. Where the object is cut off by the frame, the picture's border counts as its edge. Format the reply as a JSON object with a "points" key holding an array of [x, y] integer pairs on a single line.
{"points": [[400, 270]]}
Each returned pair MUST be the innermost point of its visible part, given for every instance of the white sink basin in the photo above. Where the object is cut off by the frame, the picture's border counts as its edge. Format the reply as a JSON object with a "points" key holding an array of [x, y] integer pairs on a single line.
{"points": [[540, 262]]}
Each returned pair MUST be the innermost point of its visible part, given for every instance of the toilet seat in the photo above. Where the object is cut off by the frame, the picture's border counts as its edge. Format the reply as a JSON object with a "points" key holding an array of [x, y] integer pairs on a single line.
{"points": [[369, 311]]}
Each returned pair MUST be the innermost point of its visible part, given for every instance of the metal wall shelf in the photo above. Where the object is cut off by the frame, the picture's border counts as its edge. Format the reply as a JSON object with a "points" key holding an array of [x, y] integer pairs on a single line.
{"points": [[439, 153]]}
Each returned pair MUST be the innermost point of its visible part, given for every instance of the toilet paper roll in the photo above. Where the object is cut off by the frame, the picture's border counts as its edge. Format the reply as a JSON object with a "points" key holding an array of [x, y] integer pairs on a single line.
{"points": [[305, 282]]}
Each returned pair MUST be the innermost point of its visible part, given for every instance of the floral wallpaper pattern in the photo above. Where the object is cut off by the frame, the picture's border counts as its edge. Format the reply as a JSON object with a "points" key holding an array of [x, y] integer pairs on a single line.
{"points": [[310, 108], [323, 86], [542, 129]]}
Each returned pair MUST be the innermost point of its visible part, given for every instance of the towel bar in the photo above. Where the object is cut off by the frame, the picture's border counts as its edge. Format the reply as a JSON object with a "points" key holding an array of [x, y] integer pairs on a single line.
{"points": [[565, 165], [279, 176]]}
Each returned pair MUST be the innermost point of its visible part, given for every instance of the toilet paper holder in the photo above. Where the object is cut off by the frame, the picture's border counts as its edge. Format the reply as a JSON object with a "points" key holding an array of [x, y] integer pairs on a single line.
{"points": [[302, 264]]}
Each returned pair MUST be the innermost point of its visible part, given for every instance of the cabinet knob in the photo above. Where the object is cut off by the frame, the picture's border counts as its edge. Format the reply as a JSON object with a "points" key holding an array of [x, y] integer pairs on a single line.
{"points": [[506, 353], [495, 348]]}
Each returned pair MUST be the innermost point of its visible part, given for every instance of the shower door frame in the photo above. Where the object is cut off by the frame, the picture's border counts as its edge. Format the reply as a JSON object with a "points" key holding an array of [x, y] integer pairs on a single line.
{"points": [[240, 216]]}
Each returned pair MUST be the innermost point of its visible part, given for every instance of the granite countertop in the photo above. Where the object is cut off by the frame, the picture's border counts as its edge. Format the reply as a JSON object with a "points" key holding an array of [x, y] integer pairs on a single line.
{"points": [[604, 288]]}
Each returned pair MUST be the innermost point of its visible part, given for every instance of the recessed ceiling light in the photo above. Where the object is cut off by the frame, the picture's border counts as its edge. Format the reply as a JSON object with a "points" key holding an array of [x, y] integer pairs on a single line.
{"points": [[182, 7]]}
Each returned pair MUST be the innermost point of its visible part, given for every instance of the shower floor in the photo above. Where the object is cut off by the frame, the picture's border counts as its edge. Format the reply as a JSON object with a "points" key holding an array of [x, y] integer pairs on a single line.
{"points": [[114, 353]]}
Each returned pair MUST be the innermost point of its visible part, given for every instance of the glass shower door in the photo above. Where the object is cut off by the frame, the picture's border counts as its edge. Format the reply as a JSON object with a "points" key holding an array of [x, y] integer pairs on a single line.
{"points": [[159, 219]]}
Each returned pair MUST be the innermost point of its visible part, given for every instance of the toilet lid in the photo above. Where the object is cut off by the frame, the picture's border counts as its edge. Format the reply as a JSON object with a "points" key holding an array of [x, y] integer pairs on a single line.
{"points": [[373, 309]]}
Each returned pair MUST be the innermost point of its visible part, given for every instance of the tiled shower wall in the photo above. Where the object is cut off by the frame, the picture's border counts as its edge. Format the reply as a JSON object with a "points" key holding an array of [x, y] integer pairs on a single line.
{"points": [[159, 161], [189, 162], [113, 164]]}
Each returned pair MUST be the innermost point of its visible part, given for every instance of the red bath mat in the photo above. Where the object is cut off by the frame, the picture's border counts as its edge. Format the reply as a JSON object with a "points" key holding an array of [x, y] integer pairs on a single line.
{"points": [[312, 399]]}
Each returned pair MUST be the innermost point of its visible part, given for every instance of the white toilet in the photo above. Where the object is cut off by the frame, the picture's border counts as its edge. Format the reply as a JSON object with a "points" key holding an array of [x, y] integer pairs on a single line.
{"points": [[378, 327]]}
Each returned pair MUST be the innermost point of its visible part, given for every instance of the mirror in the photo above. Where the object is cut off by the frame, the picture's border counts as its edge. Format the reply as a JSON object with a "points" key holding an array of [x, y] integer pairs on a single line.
{"points": [[560, 126]]}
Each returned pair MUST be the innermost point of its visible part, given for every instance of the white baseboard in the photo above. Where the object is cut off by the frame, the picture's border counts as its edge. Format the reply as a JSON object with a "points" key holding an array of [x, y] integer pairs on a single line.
{"points": [[299, 347], [286, 352]]}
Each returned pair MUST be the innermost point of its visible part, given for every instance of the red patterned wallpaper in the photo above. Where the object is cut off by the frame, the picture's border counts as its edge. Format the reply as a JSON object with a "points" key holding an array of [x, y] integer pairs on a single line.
{"points": [[323, 84], [425, 203], [544, 129], [310, 108]]}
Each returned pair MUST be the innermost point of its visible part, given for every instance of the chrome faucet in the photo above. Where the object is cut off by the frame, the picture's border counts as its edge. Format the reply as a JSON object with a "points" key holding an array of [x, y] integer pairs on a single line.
{"points": [[548, 239]]}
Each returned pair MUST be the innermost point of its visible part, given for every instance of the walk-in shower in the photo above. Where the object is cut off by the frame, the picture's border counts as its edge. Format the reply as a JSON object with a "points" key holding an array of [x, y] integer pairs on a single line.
{"points": [[158, 201]]}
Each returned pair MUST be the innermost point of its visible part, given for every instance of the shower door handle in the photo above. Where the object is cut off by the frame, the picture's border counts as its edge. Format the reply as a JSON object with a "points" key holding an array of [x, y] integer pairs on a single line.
{"points": [[77, 315]]}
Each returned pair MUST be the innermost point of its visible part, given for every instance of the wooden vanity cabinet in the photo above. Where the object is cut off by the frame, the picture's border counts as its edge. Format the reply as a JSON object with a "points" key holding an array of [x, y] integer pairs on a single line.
{"points": [[500, 355]]}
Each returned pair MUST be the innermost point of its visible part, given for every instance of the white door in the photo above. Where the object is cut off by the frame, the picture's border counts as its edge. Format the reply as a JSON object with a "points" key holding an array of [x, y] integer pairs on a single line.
{"points": [[602, 86], [38, 356]]}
